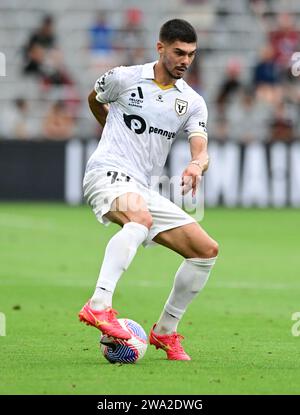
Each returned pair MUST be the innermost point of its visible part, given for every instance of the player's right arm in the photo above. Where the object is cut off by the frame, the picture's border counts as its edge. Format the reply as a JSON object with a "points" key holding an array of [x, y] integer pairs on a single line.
{"points": [[100, 111], [106, 90]]}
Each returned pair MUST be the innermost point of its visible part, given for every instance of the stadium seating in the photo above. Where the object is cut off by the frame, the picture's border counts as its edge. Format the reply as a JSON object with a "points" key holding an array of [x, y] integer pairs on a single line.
{"points": [[226, 29]]}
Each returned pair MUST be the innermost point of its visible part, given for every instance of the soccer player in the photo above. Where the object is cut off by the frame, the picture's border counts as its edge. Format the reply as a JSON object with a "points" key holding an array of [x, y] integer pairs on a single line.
{"points": [[142, 108]]}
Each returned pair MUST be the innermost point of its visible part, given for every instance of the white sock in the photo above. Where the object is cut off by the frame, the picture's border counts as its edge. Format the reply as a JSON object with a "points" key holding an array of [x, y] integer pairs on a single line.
{"points": [[190, 279], [119, 253]]}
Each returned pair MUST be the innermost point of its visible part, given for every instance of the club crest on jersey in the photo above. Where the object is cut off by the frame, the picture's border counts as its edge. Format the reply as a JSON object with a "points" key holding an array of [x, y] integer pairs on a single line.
{"points": [[181, 106]]}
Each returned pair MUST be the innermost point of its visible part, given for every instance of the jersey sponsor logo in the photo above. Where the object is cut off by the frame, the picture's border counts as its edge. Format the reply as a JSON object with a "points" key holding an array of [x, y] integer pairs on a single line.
{"points": [[140, 92], [138, 125], [160, 131], [135, 123], [181, 106], [136, 101]]}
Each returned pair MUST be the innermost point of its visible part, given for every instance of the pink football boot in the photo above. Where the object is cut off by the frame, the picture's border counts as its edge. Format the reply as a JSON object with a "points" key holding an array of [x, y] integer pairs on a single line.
{"points": [[170, 343], [104, 320]]}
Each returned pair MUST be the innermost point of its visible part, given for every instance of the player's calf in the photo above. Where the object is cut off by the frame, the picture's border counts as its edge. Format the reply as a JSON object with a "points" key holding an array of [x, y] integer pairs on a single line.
{"points": [[190, 279]]}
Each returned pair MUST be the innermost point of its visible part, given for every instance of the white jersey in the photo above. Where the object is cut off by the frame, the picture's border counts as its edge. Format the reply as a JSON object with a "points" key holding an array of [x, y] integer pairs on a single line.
{"points": [[143, 121]]}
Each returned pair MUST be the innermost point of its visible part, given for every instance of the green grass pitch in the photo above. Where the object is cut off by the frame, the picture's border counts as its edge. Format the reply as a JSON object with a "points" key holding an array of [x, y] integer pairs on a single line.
{"points": [[238, 331]]}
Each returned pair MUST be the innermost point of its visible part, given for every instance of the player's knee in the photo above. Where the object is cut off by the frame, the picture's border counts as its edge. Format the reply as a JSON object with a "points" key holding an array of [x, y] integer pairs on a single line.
{"points": [[211, 250], [143, 219], [147, 220]]}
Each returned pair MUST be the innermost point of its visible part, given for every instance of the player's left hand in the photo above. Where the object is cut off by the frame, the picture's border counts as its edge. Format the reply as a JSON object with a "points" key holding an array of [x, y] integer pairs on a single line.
{"points": [[191, 178]]}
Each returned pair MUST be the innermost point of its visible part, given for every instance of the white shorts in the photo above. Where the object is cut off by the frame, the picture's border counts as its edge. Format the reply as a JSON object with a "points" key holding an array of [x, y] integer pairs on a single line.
{"points": [[101, 189]]}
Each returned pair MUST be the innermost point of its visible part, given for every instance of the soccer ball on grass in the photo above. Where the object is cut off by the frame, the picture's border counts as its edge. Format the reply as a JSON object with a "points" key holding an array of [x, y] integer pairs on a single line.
{"points": [[125, 351]]}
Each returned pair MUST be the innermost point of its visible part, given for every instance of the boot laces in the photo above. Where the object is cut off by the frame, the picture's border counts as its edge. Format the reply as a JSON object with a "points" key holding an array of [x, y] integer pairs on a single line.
{"points": [[111, 314], [175, 342]]}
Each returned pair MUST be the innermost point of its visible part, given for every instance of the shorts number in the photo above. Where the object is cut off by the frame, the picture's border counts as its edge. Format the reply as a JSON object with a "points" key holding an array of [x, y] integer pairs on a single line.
{"points": [[117, 176]]}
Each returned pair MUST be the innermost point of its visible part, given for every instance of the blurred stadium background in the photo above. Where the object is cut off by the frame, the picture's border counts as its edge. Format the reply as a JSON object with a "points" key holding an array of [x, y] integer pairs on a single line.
{"points": [[245, 71], [239, 334]]}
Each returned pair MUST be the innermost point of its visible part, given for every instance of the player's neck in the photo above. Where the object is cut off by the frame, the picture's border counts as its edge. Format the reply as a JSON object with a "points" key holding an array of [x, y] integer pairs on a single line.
{"points": [[161, 75]]}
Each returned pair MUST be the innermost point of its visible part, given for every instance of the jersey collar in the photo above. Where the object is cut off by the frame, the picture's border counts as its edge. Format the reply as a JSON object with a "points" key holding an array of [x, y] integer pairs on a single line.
{"points": [[148, 73]]}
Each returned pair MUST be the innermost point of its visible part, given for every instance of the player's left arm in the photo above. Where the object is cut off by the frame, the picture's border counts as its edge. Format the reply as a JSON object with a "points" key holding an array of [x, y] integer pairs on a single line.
{"points": [[197, 166], [195, 127]]}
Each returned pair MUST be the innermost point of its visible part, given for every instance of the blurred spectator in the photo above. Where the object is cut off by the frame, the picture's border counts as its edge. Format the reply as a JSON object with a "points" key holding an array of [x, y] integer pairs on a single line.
{"points": [[230, 85], [266, 76], [131, 38], [34, 61], [15, 122], [40, 41], [258, 7], [44, 35], [102, 47], [285, 40], [58, 124], [261, 8], [248, 118], [54, 78], [266, 70], [101, 35], [44, 61], [227, 94], [54, 70], [283, 123]]}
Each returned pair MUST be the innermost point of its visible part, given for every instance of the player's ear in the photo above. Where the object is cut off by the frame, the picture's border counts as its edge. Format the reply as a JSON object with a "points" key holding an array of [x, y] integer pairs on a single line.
{"points": [[160, 47]]}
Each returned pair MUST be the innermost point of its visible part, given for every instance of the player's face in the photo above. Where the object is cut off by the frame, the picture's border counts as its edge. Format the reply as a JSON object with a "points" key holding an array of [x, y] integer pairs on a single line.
{"points": [[176, 57]]}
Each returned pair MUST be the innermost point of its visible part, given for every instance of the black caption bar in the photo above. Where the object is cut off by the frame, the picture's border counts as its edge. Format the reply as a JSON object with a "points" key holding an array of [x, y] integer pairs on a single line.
{"points": [[137, 404]]}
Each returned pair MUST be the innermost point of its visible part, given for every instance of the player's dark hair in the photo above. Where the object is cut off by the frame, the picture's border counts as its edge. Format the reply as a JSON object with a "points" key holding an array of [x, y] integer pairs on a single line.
{"points": [[177, 29]]}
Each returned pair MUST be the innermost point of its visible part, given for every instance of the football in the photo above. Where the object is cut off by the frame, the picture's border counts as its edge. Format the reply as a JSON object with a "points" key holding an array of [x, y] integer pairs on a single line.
{"points": [[125, 351]]}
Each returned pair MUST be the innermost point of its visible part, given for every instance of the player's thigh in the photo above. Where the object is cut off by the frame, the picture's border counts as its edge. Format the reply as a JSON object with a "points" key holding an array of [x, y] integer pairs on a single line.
{"points": [[190, 241], [115, 197], [130, 207]]}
